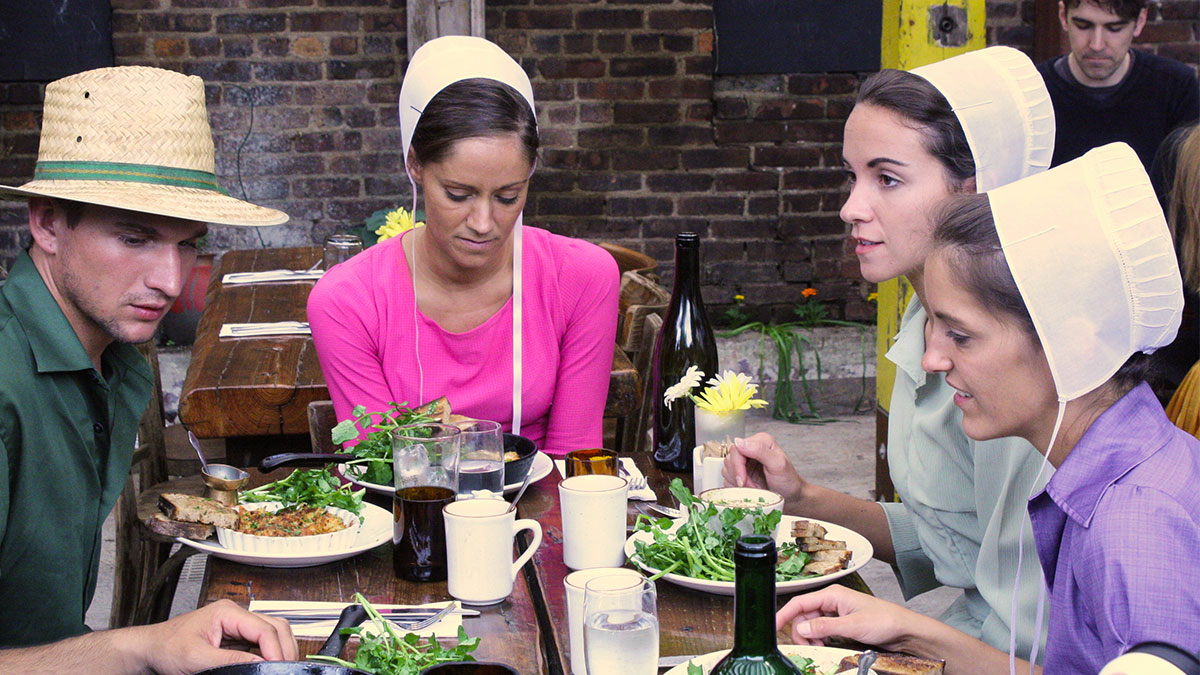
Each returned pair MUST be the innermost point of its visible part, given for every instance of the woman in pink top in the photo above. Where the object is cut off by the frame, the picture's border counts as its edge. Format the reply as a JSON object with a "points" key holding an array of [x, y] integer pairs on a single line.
{"points": [[497, 307]]}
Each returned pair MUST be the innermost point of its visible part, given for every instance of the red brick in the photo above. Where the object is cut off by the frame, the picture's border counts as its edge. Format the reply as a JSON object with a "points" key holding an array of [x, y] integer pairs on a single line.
{"points": [[762, 206], [667, 228], [701, 206], [1165, 32], [237, 47], [642, 67], [192, 23], [644, 160], [220, 71], [575, 159], [645, 113], [543, 19], [545, 182], [363, 69], [595, 113], [807, 225], [385, 185], [640, 207], [324, 22], [611, 90], [611, 43], [343, 45], [790, 109], [677, 135], [690, 88], [570, 206], [814, 131], [748, 132], [608, 19], [715, 158], [330, 94], [389, 22], [646, 43], [555, 68], [128, 45], [22, 120], [326, 187], [676, 19], [135, 4], [204, 46], [698, 65], [691, 182], [821, 84], [1180, 9], [611, 137], [730, 108], [748, 181], [786, 155], [814, 179], [251, 23]]}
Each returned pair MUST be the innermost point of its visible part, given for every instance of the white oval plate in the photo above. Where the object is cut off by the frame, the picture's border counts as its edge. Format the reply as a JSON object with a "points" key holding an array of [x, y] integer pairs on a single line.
{"points": [[860, 549], [541, 467], [825, 658], [376, 529]]}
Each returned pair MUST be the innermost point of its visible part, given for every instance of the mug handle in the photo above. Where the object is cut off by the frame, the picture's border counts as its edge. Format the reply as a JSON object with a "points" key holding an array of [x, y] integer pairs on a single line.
{"points": [[536, 528]]}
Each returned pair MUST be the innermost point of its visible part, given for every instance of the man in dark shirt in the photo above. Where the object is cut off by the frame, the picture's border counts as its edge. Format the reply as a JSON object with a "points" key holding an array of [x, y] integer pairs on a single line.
{"points": [[1104, 92], [123, 188]]}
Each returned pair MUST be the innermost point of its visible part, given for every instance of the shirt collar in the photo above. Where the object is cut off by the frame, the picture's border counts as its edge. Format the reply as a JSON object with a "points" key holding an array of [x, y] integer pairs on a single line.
{"points": [[1120, 439], [909, 347], [52, 339]]}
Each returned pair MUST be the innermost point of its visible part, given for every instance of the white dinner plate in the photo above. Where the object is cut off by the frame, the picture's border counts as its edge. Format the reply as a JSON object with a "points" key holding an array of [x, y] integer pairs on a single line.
{"points": [[539, 468], [860, 549], [376, 529], [826, 659]]}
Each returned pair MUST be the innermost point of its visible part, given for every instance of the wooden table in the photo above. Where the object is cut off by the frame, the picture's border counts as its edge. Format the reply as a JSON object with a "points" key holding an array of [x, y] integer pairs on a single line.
{"points": [[690, 622], [529, 630], [254, 392]]}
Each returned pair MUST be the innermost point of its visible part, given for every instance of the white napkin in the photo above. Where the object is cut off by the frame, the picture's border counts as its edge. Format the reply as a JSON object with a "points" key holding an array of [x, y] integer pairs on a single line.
{"points": [[236, 330], [271, 275], [447, 627], [645, 494]]}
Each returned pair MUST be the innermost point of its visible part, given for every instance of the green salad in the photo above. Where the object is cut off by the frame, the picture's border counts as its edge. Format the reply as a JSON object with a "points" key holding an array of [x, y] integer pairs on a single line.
{"points": [[373, 454], [387, 652], [315, 487], [696, 549]]}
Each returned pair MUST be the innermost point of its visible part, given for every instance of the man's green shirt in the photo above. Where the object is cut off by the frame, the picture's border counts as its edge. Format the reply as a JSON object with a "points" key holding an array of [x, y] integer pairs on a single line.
{"points": [[67, 435]]}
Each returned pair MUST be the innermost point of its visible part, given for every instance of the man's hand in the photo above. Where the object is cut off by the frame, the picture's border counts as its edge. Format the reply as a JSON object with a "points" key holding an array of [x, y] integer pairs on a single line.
{"points": [[759, 462], [192, 641]]}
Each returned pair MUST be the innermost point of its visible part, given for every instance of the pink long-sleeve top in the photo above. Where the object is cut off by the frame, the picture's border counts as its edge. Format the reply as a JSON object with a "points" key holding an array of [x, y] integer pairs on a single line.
{"points": [[362, 318]]}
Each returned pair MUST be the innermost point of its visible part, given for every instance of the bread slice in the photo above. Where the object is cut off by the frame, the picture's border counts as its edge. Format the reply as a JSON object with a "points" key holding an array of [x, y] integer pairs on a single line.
{"points": [[839, 556], [811, 544], [807, 528], [896, 664], [192, 509], [822, 568], [160, 524]]}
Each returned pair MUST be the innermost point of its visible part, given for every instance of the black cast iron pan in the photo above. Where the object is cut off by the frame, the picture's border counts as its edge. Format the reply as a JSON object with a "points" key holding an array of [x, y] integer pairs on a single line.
{"points": [[351, 616]]}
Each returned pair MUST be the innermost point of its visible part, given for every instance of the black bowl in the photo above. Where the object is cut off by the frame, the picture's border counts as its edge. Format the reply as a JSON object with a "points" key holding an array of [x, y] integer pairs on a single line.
{"points": [[515, 470]]}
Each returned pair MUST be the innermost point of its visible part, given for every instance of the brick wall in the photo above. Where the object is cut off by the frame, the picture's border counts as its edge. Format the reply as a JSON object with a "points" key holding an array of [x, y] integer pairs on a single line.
{"points": [[640, 140]]}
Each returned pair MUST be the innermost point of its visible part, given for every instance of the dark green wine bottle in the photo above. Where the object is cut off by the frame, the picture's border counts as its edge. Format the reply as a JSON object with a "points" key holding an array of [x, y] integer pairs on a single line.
{"points": [[754, 649], [686, 340]]}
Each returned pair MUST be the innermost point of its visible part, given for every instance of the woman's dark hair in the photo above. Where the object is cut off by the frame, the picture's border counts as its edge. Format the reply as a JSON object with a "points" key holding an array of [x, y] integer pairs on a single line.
{"points": [[926, 110], [965, 235], [470, 109]]}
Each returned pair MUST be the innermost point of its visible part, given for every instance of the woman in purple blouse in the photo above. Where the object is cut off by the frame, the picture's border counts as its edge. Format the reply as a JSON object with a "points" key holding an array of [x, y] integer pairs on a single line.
{"points": [[1043, 309]]}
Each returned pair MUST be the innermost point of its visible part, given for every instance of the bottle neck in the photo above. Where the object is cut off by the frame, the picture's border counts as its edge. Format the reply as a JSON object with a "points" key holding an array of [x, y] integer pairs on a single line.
{"points": [[754, 608], [687, 271]]}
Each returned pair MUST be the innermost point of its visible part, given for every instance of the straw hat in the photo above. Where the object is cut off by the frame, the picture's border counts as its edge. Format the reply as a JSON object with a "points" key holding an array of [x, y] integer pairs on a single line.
{"points": [[1004, 108], [134, 138], [1090, 251]]}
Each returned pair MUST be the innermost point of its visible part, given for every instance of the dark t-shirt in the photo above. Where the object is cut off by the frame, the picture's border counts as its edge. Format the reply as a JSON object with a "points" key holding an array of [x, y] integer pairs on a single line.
{"points": [[1156, 96]]}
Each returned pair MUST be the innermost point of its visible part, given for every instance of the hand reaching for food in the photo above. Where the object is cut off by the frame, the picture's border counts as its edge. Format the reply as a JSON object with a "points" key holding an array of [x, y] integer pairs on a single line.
{"points": [[192, 641], [759, 462]]}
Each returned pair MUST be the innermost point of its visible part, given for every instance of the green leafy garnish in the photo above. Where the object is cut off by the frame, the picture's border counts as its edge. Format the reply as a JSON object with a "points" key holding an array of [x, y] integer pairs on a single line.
{"points": [[702, 547], [806, 665], [315, 487], [390, 653], [374, 452]]}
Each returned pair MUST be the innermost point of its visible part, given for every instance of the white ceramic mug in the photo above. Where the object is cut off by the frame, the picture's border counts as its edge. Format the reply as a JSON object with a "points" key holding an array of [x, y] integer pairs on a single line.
{"points": [[479, 549], [593, 520], [574, 584]]}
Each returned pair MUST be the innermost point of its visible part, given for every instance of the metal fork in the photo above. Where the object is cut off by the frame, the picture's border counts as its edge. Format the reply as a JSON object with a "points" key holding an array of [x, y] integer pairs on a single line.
{"points": [[661, 510], [426, 623], [636, 483]]}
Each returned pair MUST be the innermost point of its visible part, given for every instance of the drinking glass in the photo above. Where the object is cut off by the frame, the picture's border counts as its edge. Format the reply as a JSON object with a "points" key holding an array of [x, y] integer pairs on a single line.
{"points": [[481, 461], [425, 466], [592, 461], [620, 625], [340, 248]]}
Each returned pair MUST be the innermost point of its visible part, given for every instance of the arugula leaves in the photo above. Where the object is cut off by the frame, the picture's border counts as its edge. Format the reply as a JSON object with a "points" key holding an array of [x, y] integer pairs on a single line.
{"points": [[390, 653], [702, 547], [374, 451], [315, 487]]}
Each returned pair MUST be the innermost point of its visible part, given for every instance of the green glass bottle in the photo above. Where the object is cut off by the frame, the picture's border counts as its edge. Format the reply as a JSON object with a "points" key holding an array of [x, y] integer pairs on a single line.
{"points": [[754, 648]]}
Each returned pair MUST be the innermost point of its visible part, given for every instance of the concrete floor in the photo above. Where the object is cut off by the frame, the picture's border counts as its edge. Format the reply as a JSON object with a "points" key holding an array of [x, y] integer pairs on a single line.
{"points": [[839, 455]]}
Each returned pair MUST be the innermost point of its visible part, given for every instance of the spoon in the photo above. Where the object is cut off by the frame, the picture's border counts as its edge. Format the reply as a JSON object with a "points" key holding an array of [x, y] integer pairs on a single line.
{"points": [[196, 444], [524, 484], [865, 661]]}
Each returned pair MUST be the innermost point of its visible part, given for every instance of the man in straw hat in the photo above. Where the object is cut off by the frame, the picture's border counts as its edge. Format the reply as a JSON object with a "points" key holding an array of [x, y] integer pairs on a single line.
{"points": [[123, 188]]}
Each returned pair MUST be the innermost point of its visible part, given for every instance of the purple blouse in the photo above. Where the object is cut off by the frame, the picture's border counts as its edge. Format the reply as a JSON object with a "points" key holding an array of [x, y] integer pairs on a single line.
{"points": [[1118, 534]]}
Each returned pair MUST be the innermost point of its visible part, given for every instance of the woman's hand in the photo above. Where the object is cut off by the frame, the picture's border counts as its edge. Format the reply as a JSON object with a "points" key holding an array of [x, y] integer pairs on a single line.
{"points": [[837, 611], [759, 462]]}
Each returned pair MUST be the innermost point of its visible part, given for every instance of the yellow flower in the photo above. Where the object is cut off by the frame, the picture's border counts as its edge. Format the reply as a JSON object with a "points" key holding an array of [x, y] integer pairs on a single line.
{"points": [[396, 222], [729, 391], [739, 297], [808, 292], [872, 297]]}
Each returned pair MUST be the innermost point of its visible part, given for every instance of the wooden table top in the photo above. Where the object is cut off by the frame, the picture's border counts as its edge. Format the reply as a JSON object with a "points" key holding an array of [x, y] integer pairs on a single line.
{"points": [[261, 386], [690, 622]]}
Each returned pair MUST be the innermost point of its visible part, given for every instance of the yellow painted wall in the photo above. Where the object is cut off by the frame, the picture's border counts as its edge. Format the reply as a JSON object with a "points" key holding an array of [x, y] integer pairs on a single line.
{"points": [[907, 44]]}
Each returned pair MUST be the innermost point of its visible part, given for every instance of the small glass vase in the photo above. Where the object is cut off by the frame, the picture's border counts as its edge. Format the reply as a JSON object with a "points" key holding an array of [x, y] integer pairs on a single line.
{"points": [[714, 426]]}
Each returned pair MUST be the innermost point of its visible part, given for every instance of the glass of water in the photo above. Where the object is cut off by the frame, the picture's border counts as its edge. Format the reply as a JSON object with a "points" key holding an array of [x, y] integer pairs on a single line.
{"points": [[481, 461], [620, 625]]}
